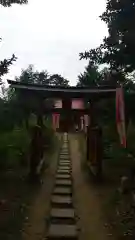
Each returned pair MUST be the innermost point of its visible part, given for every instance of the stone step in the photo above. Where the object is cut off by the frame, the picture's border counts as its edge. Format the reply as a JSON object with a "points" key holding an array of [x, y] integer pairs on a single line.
{"points": [[64, 162], [63, 171], [60, 167], [64, 167], [62, 213], [61, 201], [68, 164], [64, 153], [64, 182], [63, 191], [64, 158], [65, 149], [58, 231], [63, 176]]}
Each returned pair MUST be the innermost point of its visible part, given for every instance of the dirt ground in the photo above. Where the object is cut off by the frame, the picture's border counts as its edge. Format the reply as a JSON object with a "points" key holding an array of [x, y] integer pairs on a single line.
{"points": [[87, 200]]}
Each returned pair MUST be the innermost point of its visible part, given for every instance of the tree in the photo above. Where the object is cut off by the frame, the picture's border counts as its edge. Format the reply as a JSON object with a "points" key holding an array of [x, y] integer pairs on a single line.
{"points": [[26, 104], [5, 64], [90, 77], [58, 80], [118, 49], [29, 75], [8, 3], [42, 78]]}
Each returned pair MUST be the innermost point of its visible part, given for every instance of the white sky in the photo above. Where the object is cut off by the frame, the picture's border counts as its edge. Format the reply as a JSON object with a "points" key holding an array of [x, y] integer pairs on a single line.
{"points": [[50, 34]]}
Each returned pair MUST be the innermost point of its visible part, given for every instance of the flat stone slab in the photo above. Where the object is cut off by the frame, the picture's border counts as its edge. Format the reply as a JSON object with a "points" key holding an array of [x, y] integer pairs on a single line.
{"points": [[64, 157], [63, 171], [61, 199], [64, 182], [62, 213], [63, 176], [64, 167], [64, 152], [68, 164], [65, 149], [64, 161], [64, 231], [62, 190]]}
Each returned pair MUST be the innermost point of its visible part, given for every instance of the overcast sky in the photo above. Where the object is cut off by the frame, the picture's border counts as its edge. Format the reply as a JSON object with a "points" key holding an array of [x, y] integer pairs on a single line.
{"points": [[50, 34]]}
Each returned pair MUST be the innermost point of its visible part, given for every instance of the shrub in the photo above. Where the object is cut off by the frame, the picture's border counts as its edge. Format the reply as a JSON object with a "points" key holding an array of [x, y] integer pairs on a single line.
{"points": [[13, 145], [49, 136]]}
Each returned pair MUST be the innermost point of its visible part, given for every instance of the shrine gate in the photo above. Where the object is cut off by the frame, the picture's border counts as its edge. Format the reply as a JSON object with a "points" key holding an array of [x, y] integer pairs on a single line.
{"points": [[68, 108]]}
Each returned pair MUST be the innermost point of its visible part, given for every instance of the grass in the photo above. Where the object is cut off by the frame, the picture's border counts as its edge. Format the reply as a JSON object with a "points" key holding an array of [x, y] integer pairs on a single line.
{"points": [[82, 148], [16, 196], [13, 145], [117, 208]]}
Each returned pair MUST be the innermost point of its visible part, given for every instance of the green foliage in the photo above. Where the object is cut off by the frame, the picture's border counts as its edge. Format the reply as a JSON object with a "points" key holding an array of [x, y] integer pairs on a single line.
{"points": [[22, 106], [13, 145], [49, 137], [58, 80], [90, 77], [8, 3], [119, 17], [118, 48], [29, 75], [5, 64]]}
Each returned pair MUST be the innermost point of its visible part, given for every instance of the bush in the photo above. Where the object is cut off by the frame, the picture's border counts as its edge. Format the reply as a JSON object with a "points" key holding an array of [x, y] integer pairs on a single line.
{"points": [[13, 145], [49, 136]]}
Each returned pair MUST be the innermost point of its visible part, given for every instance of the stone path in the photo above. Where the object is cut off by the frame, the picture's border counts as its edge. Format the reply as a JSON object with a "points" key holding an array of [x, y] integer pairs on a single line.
{"points": [[62, 224]]}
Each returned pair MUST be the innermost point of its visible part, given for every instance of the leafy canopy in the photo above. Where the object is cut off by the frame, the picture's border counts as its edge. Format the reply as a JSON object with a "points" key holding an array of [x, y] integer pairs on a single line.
{"points": [[5, 64], [118, 49], [8, 3]]}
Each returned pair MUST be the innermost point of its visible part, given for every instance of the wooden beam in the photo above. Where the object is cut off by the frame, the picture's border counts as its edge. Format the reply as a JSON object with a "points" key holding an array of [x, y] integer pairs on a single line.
{"points": [[62, 92]]}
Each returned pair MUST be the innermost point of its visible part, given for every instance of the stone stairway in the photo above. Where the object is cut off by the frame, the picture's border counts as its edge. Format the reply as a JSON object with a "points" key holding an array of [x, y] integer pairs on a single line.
{"points": [[62, 224]]}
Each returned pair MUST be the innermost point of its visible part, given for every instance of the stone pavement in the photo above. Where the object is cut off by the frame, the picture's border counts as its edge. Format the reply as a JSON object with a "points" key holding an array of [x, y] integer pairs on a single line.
{"points": [[62, 222]]}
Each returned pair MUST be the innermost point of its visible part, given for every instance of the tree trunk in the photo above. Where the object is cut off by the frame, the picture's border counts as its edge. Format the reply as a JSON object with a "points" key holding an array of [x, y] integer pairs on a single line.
{"points": [[40, 120], [27, 122]]}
